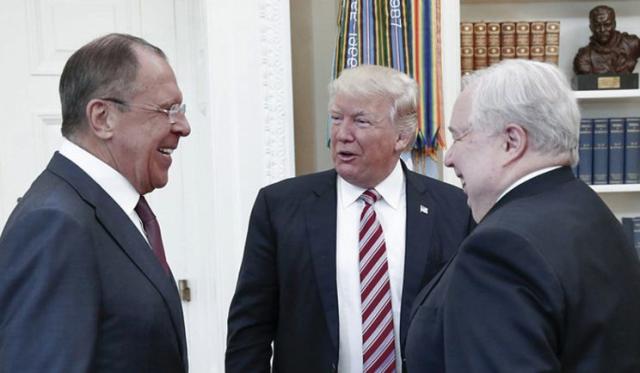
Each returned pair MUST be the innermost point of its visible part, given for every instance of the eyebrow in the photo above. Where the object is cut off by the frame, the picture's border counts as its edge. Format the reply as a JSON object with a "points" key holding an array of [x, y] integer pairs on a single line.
{"points": [[359, 113]]}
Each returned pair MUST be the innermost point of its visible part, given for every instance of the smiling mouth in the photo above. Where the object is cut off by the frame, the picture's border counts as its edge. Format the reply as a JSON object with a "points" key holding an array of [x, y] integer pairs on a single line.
{"points": [[166, 151]]}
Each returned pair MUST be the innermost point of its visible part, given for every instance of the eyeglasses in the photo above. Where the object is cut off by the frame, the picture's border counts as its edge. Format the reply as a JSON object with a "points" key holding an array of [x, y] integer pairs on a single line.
{"points": [[172, 113]]}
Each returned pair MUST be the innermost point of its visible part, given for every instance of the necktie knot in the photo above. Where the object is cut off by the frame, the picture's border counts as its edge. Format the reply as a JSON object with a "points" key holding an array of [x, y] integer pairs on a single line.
{"points": [[370, 196], [144, 211]]}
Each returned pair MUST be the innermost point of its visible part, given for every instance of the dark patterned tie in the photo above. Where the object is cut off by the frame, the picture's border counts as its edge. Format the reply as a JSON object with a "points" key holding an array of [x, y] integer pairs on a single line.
{"points": [[152, 229], [378, 343]]}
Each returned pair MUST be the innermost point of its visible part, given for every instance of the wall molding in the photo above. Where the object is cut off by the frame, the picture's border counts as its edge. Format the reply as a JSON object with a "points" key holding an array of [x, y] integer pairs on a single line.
{"points": [[275, 63]]}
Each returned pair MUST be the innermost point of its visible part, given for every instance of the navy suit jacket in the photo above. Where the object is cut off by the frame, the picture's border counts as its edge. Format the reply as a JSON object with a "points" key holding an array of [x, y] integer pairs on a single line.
{"points": [[546, 282], [80, 289], [286, 291]]}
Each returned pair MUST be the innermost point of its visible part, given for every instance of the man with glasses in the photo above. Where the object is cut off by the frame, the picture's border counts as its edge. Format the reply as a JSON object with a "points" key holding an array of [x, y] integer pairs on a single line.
{"points": [[547, 281], [84, 282]]}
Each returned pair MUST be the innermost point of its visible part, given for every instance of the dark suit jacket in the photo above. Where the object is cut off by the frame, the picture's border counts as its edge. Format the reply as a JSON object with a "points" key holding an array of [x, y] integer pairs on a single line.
{"points": [[546, 282], [80, 290], [286, 291]]}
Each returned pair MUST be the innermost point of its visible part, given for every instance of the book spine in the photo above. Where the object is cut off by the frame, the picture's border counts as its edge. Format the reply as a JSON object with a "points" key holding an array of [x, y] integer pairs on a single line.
{"points": [[480, 45], [551, 54], [632, 151], [493, 43], [600, 150], [537, 53], [466, 47], [507, 53], [552, 42], [585, 151], [616, 150], [507, 40], [538, 30], [523, 40]]}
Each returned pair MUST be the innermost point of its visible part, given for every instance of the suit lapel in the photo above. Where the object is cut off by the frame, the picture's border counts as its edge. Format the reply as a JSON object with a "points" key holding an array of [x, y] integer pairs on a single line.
{"points": [[133, 244], [116, 222], [421, 212], [320, 215], [427, 289], [533, 186]]}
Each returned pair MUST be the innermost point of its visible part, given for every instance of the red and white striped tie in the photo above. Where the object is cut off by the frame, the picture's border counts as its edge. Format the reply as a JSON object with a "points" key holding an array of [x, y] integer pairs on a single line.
{"points": [[378, 344]]}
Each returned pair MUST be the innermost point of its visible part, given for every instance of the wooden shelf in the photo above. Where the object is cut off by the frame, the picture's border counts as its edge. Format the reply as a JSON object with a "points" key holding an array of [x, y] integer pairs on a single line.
{"points": [[616, 188], [622, 199], [608, 94]]}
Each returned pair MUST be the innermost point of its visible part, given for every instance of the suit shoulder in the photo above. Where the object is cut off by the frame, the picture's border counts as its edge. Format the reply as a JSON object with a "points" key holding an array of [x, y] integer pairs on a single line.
{"points": [[439, 189], [50, 193], [300, 185]]}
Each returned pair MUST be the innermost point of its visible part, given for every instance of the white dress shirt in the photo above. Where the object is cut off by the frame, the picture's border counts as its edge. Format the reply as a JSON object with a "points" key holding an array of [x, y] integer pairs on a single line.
{"points": [[110, 180], [391, 212]]}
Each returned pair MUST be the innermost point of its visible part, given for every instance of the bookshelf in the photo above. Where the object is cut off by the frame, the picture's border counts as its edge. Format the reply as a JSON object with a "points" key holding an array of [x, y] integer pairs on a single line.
{"points": [[615, 94], [623, 199], [617, 188]]}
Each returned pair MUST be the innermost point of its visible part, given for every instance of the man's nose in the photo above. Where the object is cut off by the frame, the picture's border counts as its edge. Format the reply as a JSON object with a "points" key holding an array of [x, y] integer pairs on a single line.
{"points": [[181, 127], [448, 157], [345, 131]]}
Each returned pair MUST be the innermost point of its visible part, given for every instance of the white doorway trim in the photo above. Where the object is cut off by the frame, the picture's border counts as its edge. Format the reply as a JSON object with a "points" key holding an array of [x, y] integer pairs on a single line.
{"points": [[234, 67]]}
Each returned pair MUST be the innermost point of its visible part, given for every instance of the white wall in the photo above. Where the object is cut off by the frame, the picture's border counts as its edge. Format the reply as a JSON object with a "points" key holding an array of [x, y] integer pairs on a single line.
{"points": [[239, 71]]}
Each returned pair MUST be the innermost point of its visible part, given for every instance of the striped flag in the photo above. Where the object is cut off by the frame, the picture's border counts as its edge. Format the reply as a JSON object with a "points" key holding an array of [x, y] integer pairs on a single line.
{"points": [[404, 35]]}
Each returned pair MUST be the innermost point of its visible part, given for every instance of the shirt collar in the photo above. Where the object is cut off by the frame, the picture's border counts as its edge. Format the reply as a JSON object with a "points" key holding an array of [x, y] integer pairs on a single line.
{"points": [[391, 189], [526, 178], [113, 183]]}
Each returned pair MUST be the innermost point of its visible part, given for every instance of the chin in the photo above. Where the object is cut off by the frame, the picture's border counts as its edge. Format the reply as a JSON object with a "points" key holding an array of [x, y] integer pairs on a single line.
{"points": [[345, 170], [351, 178], [157, 184]]}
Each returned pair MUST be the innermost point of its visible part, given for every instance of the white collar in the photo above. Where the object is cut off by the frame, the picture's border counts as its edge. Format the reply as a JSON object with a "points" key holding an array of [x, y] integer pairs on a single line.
{"points": [[116, 185], [391, 188], [527, 178]]}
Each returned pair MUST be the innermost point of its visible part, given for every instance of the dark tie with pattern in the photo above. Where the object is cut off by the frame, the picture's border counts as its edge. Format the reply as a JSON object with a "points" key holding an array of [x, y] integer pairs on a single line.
{"points": [[378, 343], [152, 229]]}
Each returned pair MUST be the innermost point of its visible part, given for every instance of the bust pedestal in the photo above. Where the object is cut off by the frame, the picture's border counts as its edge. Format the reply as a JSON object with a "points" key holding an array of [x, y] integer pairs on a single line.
{"points": [[594, 82]]}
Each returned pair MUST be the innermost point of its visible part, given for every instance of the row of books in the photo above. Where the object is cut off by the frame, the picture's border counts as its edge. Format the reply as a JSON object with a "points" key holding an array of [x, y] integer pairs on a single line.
{"points": [[609, 151], [631, 228], [485, 43]]}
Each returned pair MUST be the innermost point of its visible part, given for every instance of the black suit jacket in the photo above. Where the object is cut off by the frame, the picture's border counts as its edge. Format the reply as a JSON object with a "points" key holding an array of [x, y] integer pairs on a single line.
{"points": [[546, 282], [80, 289], [286, 291]]}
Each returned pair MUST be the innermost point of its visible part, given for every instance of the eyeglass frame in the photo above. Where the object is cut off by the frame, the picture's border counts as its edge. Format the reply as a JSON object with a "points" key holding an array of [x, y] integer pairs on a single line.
{"points": [[171, 113]]}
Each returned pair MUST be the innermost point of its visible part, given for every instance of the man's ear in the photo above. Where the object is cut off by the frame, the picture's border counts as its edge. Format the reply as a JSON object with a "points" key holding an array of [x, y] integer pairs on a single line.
{"points": [[100, 118], [515, 141], [402, 141]]}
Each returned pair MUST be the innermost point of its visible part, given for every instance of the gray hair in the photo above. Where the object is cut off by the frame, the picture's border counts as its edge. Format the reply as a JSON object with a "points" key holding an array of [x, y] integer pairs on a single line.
{"points": [[534, 95], [372, 80], [105, 67]]}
